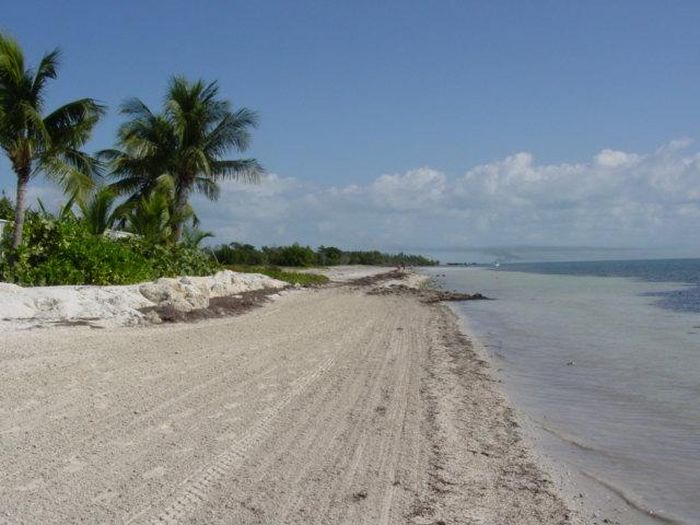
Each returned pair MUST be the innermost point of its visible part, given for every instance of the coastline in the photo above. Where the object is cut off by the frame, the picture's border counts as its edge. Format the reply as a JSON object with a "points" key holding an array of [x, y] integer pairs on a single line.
{"points": [[329, 405], [598, 500], [585, 496]]}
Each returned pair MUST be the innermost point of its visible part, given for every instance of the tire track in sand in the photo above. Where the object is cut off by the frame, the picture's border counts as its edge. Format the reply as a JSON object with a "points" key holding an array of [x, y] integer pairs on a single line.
{"points": [[194, 491]]}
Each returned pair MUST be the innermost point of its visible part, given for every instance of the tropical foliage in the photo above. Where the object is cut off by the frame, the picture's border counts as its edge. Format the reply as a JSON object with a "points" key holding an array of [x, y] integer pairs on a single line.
{"points": [[66, 251], [100, 211], [138, 223], [35, 142], [185, 144]]}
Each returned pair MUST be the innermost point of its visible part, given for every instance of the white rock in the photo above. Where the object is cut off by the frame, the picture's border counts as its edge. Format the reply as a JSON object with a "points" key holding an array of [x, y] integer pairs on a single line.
{"points": [[183, 294], [119, 305]]}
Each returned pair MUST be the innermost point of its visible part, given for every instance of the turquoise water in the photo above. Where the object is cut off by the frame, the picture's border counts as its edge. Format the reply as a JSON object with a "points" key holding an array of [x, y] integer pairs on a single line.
{"points": [[606, 365], [687, 271]]}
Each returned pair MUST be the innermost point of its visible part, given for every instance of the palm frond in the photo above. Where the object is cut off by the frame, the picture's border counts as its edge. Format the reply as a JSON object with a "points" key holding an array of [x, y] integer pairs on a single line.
{"points": [[12, 70], [47, 70], [98, 212], [73, 170], [72, 122], [207, 187], [135, 108], [192, 237], [242, 170], [231, 132], [187, 142]]}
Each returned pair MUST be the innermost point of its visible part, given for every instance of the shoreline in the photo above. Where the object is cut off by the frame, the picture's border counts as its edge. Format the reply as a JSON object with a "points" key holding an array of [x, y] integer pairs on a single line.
{"points": [[593, 498], [584, 496], [369, 408]]}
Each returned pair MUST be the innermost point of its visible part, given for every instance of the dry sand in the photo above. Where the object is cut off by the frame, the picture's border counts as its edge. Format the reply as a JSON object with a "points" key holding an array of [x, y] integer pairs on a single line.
{"points": [[326, 406]]}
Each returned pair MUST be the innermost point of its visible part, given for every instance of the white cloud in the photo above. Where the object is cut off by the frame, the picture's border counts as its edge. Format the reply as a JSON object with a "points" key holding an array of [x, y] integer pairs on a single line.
{"points": [[615, 199], [610, 158], [414, 190]]}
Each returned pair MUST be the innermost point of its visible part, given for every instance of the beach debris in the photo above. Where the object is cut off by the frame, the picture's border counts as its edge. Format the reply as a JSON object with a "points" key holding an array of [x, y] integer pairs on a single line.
{"points": [[225, 306], [359, 496], [426, 295]]}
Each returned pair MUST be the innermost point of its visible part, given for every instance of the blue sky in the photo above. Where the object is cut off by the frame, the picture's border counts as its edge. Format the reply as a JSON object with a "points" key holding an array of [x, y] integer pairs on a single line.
{"points": [[349, 92]]}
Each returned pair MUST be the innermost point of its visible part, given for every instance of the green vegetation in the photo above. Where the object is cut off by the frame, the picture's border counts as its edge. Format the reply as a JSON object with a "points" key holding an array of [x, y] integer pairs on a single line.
{"points": [[141, 188], [66, 251], [304, 256], [36, 143], [161, 158], [304, 279], [180, 150]]}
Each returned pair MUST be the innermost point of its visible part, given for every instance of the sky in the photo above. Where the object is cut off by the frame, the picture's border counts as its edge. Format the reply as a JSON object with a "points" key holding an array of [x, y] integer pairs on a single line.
{"points": [[437, 127]]}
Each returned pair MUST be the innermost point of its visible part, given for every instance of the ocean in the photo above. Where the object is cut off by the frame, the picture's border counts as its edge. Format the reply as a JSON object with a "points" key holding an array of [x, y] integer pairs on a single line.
{"points": [[603, 360]]}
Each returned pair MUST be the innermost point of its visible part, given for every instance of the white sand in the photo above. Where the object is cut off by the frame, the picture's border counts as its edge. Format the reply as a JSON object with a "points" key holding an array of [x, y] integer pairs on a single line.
{"points": [[327, 406], [343, 274]]}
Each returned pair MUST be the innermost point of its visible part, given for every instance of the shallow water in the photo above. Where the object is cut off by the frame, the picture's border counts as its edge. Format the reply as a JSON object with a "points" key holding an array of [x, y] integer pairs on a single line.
{"points": [[598, 363]]}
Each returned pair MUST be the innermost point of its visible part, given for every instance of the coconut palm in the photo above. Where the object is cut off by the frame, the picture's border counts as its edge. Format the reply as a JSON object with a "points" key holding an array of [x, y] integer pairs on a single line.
{"points": [[153, 216], [150, 218], [187, 141], [37, 143], [99, 212], [193, 237]]}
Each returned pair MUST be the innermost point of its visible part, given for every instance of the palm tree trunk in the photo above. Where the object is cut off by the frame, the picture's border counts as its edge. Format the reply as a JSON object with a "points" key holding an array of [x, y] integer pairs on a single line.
{"points": [[180, 204], [20, 207]]}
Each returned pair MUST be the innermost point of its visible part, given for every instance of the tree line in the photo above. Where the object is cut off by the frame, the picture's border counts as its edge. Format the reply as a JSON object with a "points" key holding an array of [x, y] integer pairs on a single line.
{"points": [[296, 255]]}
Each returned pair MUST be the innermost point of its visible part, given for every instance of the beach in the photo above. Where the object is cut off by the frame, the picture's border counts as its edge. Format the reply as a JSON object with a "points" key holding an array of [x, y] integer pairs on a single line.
{"points": [[338, 404], [600, 359]]}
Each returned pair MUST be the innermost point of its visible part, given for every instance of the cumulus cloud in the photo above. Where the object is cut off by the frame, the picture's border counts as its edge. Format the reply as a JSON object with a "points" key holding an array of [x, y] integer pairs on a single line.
{"points": [[611, 158], [616, 199], [414, 190]]}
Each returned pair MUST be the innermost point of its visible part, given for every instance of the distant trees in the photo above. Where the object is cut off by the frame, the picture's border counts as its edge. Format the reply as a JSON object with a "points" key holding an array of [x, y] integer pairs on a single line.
{"points": [[329, 255], [35, 142], [239, 254], [297, 255]]}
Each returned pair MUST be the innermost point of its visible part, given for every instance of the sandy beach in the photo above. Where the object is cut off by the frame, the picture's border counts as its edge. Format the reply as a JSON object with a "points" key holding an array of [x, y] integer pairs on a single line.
{"points": [[325, 406]]}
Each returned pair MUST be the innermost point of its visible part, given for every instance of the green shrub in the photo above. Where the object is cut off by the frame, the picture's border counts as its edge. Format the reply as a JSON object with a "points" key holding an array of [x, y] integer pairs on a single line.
{"points": [[294, 255], [174, 260], [7, 209], [304, 279], [240, 254], [66, 253], [330, 256]]}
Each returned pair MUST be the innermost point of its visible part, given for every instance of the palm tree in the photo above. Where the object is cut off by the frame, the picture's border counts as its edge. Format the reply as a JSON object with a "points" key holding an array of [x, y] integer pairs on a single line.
{"points": [[153, 217], [98, 211], [37, 143], [192, 237], [187, 142]]}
